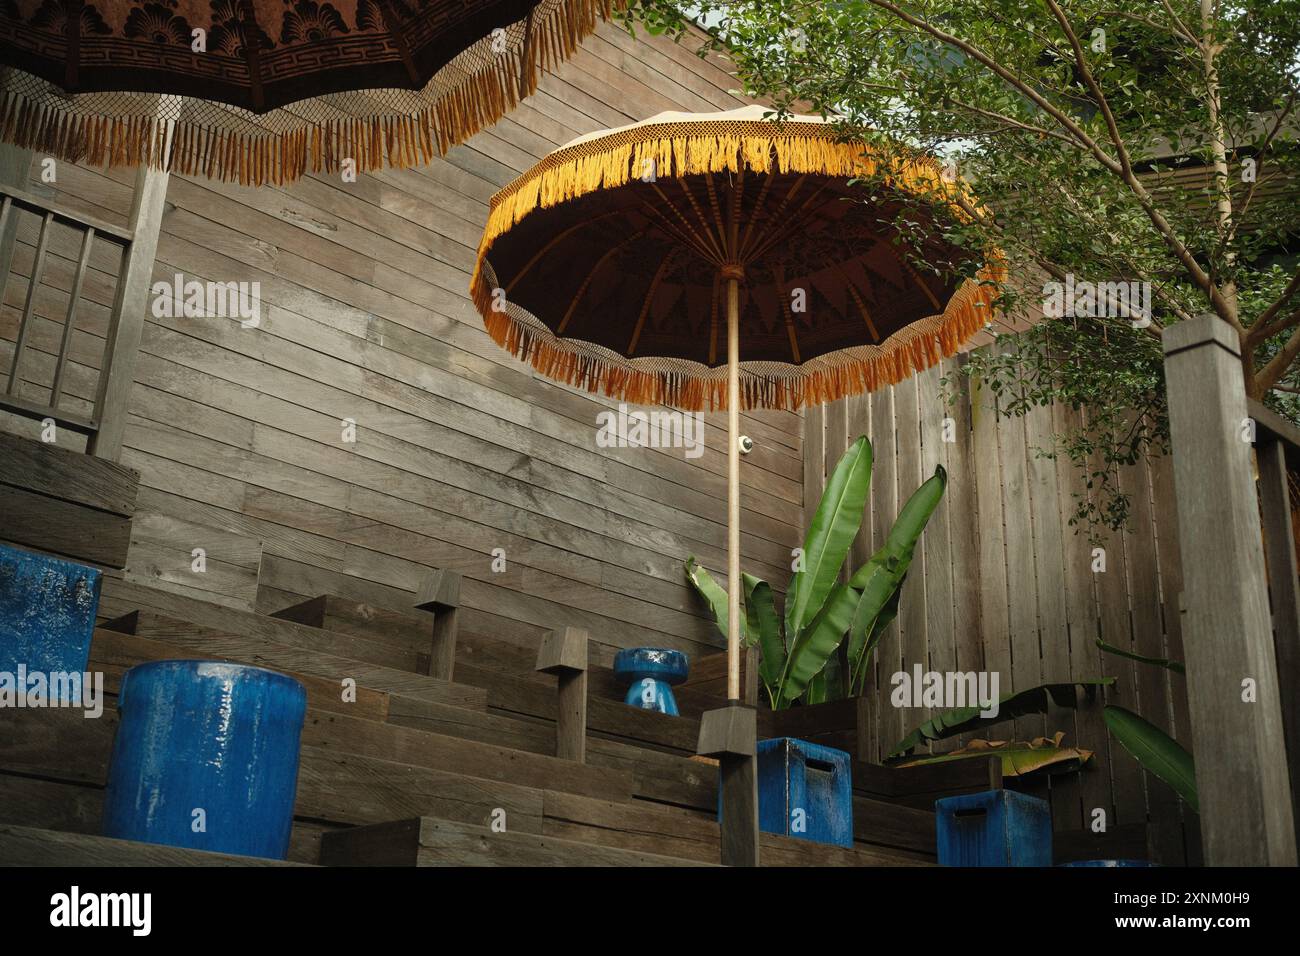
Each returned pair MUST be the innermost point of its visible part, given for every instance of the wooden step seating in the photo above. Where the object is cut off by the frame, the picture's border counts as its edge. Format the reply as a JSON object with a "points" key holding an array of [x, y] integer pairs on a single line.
{"points": [[63, 759], [236, 634], [393, 756], [29, 846], [425, 841]]}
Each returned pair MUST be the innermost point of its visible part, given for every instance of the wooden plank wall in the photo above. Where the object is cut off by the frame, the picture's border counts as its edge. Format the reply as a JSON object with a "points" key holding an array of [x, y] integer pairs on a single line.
{"points": [[1002, 582], [460, 449]]}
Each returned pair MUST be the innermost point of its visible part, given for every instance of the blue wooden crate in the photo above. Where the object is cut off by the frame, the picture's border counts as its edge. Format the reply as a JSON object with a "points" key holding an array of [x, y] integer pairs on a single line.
{"points": [[47, 613], [994, 828], [805, 791]]}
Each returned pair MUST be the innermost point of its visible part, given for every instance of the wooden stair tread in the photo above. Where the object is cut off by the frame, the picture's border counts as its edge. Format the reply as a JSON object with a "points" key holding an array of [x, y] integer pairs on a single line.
{"points": [[293, 652], [426, 841], [28, 846]]}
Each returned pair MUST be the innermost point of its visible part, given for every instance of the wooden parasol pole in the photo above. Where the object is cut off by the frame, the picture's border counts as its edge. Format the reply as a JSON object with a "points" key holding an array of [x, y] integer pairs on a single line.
{"points": [[733, 487]]}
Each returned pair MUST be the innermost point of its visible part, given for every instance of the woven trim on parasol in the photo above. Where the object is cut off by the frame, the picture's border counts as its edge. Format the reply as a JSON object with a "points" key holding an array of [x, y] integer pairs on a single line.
{"points": [[374, 128], [692, 386]]}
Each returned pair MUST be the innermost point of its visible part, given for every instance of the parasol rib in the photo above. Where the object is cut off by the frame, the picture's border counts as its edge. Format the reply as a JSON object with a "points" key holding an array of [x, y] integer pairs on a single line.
{"points": [[716, 242], [715, 253], [558, 238], [859, 302], [649, 298], [577, 297]]}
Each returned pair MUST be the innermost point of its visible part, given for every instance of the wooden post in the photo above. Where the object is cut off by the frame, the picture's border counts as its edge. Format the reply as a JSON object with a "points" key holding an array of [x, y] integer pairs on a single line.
{"points": [[731, 735], [1241, 779], [1276, 441], [733, 486], [126, 326], [564, 653], [439, 594]]}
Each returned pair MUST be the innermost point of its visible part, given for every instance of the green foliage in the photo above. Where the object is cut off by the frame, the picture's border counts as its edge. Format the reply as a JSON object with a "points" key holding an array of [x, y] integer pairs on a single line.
{"points": [[1016, 704], [1072, 122], [1175, 666], [1155, 750], [800, 662]]}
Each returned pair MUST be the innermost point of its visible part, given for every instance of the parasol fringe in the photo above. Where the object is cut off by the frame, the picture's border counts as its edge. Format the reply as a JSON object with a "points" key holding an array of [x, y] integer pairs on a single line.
{"points": [[680, 149], [256, 159], [913, 349]]}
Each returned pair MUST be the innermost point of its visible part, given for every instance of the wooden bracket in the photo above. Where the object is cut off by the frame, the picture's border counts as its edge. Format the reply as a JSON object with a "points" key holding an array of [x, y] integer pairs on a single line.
{"points": [[731, 734], [564, 653], [439, 594]]}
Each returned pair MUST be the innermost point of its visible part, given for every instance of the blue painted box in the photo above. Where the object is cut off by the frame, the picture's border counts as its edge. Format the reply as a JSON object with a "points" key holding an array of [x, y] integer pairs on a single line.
{"points": [[805, 791], [47, 613], [206, 757], [994, 828]]}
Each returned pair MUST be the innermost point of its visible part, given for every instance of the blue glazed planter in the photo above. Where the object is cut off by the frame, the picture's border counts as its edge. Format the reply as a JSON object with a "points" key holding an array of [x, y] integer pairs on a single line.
{"points": [[653, 671], [212, 737], [47, 613], [994, 828]]}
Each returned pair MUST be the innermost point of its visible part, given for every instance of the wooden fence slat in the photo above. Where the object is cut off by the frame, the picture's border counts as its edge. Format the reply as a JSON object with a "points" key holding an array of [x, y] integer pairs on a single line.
{"points": [[884, 505]]}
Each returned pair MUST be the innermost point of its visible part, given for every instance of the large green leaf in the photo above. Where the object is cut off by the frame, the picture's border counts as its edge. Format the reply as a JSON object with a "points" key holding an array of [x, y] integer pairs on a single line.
{"points": [[765, 627], [1155, 750], [810, 650], [831, 534], [860, 659], [1175, 666], [1015, 704], [713, 593], [895, 557], [1019, 758], [881, 578]]}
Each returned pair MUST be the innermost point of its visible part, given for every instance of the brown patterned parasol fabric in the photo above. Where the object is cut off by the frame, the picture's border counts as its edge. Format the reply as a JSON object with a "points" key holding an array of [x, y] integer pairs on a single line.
{"points": [[606, 264], [265, 90]]}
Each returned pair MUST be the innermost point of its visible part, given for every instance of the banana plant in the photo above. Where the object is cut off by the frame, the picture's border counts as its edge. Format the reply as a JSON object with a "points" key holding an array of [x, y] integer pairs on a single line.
{"points": [[1154, 749], [821, 611]]}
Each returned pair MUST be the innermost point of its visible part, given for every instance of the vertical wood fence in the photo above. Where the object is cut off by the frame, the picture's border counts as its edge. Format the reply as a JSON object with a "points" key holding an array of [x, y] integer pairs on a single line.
{"points": [[1002, 583]]}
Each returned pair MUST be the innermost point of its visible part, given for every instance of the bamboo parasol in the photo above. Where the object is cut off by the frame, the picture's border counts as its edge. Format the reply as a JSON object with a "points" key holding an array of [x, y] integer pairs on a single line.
{"points": [[667, 262], [261, 91]]}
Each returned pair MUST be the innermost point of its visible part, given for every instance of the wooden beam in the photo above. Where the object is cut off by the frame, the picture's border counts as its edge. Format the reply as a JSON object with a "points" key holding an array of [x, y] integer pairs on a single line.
{"points": [[439, 594], [70, 476], [76, 532], [564, 653], [117, 370], [1242, 783], [1284, 589]]}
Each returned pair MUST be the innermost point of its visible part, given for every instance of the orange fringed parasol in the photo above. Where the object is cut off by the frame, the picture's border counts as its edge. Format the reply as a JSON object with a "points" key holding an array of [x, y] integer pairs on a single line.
{"points": [[726, 261]]}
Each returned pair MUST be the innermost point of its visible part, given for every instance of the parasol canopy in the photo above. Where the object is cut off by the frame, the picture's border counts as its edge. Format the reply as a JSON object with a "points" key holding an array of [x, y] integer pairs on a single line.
{"points": [[265, 90], [611, 257], [723, 260]]}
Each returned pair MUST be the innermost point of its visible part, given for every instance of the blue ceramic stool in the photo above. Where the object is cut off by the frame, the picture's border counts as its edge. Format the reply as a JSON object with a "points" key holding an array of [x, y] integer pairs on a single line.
{"points": [[206, 757], [994, 828], [47, 615], [805, 791], [652, 671]]}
